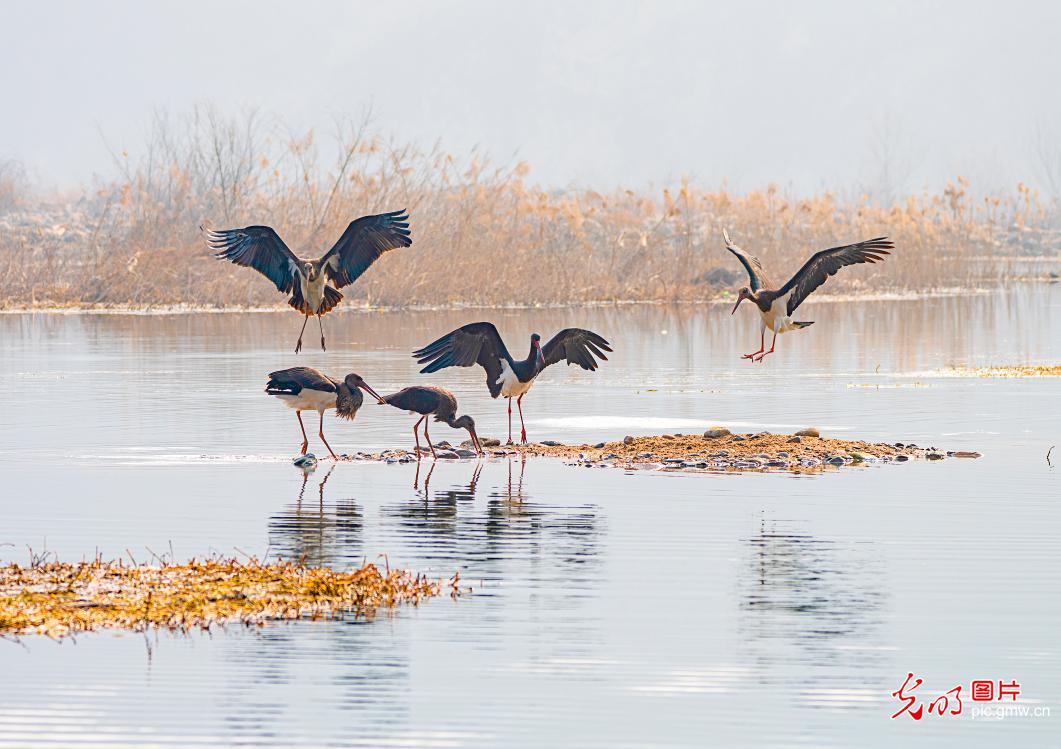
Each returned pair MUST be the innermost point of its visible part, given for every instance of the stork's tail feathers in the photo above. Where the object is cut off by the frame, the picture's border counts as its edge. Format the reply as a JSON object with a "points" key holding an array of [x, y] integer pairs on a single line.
{"points": [[798, 324], [331, 298]]}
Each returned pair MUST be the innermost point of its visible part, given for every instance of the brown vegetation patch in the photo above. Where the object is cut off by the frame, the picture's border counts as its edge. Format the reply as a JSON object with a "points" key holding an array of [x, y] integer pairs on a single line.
{"points": [[800, 452], [58, 599], [1016, 370], [762, 451]]}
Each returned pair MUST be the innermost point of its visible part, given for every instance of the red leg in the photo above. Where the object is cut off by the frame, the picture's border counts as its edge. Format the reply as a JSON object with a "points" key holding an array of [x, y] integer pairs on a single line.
{"points": [[428, 438], [321, 434], [762, 345], [773, 343], [305, 439], [522, 427], [321, 326], [509, 422], [298, 346], [416, 435]]}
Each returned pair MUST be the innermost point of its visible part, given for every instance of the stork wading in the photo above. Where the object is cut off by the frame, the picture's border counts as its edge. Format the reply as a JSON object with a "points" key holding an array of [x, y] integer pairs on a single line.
{"points": [[307, 281], [431, 401], [306, 389], [480, 343]]}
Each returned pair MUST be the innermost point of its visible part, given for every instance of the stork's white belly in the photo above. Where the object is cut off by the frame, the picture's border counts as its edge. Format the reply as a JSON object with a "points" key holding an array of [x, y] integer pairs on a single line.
{"points": [[313, 291], [511, 387], [308, 400], [777, 318]]}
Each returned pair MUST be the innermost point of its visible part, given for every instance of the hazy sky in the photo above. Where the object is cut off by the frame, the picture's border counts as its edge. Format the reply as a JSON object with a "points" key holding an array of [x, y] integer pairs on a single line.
{"points": [[589, 93]]}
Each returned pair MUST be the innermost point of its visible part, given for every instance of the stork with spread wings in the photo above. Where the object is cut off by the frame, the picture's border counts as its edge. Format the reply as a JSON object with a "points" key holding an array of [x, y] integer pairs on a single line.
{"points": [[313, 284]]}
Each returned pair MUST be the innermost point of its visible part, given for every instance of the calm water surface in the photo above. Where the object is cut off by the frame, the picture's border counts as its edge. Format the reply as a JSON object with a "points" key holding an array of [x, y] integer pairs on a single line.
{"points": [[609, 609]]}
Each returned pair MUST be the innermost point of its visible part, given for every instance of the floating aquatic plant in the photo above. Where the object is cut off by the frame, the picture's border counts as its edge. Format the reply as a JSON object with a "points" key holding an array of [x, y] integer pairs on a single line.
{"points": [[58, 599]]}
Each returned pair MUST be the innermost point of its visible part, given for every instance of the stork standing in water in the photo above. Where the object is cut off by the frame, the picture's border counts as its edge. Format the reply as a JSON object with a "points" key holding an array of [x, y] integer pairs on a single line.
{"points": [[363, 242], [776, 305], [432, 401], [306, 389], [480, 343]]}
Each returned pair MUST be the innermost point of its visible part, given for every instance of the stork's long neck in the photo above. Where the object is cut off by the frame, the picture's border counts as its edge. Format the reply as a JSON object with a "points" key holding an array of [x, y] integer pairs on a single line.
{"points": [[533, 362]]}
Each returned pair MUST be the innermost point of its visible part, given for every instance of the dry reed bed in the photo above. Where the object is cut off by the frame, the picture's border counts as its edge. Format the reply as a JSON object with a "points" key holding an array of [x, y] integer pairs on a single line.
{"points": [[480, 231], [58, 599], [1015, 370]]}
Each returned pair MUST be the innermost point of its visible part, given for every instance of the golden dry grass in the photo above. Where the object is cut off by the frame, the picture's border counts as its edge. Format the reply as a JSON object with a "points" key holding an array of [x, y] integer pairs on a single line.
{"points": [[480, 231], [1015, 370], [58, 599]]}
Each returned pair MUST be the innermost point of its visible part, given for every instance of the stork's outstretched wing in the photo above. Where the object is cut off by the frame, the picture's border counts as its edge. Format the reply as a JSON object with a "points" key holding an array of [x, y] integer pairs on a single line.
{"points": [[756, 275], [826, 263], [475, 343], [258, 247], [577, 346], [363, 242]]}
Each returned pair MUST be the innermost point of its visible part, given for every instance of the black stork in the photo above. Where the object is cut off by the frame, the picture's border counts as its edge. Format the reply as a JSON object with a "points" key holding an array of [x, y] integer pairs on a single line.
{"points": [[776, 305], [480, 343], [431, 401], [363, 242], [306, 389]]}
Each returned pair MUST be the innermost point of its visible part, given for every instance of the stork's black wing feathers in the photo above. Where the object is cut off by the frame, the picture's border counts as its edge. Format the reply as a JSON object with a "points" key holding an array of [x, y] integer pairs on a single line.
{"points": [[475, 343], [297, 379], [756, 275], [827, 262], [258, 247], [577, 346], [363, 242]]}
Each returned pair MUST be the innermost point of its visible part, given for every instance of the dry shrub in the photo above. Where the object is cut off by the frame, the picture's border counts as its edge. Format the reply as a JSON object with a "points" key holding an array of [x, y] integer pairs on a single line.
{"points": [[482, 235]]}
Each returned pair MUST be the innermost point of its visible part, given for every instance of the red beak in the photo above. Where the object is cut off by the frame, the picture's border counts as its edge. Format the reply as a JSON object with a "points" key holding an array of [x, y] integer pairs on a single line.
{"points": [[370, 391], [475, 441]]}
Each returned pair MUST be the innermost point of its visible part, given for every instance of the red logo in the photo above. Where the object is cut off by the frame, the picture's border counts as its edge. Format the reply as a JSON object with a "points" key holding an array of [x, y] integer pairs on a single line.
{"points": [[950, 702]]}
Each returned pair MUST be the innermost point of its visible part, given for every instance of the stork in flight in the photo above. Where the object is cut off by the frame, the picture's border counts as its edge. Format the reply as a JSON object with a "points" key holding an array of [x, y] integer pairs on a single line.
{"points": [[261, 248], [480, 343], [776, 305]]}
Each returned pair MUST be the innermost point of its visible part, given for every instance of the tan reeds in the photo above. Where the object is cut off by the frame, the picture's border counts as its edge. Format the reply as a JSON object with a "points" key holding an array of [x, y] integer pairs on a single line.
{"points": [[483, 235]]}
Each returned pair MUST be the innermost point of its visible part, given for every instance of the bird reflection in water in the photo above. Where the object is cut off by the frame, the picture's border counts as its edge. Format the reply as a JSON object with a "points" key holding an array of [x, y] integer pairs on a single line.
{"points": [[814, 594], [317, 533]]}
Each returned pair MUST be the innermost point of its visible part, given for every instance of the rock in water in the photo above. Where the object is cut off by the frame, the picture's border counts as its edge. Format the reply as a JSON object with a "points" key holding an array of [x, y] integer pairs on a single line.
{"points": [[490, 442], [715, 432], [628, 440], [307, 462], [808, 432], [550, 443]]}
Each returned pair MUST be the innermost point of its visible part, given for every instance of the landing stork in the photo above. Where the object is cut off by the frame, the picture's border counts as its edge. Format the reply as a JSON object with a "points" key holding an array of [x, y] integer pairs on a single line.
{"points": [[776, 305], [261, 248]]}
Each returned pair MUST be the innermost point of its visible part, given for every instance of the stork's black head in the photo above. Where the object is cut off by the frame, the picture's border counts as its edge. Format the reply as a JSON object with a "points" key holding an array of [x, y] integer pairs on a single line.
{"points": [[355, 381], [536, 348], [466, 422], [742, 294]]}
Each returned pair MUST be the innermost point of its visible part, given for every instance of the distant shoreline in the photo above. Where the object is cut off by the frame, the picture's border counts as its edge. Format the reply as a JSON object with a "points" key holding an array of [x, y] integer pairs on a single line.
{"points": [[186, 309]]}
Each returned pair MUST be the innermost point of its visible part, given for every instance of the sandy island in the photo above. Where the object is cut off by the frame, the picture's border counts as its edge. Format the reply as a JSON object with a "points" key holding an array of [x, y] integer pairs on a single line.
{"points": [[715, 450]]}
